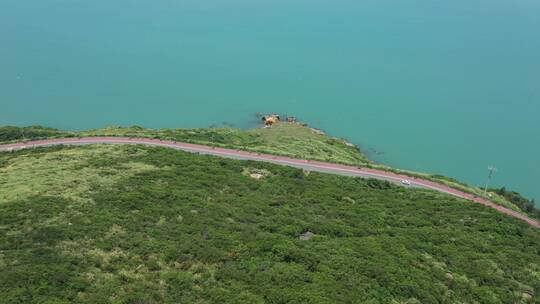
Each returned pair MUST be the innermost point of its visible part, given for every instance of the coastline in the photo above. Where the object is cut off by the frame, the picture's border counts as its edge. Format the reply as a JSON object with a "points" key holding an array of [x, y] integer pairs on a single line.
{"points": [[299, 163], [295, 140]]}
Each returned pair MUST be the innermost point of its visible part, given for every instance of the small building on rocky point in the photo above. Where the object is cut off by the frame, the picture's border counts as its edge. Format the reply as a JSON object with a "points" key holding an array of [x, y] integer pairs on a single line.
{"points": [[270, 120]]}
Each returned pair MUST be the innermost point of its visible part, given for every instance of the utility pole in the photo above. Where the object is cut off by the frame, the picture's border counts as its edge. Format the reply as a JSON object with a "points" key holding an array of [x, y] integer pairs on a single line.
{"points": [[492, 171]]}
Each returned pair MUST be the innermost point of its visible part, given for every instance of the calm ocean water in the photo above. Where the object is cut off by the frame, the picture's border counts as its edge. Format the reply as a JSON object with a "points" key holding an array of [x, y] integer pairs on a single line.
{"points": [[438, 86]]}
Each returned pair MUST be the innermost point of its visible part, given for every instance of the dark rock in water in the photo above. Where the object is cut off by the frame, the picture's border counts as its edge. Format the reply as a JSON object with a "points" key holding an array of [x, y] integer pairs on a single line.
{"points": [[291, 119]]}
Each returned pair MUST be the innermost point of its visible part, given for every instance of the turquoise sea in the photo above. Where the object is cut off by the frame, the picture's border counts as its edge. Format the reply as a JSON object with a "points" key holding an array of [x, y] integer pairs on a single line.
{"points": [[438, 86]]}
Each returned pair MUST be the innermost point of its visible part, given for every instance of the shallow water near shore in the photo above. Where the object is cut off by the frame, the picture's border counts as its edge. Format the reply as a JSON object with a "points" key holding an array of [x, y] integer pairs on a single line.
{"points": [[445, 87]]}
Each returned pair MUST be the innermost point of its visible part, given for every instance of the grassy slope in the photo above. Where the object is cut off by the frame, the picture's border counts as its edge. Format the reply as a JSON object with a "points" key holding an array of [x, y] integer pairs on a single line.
{"points": [[128, 224], [286, 139], [283, 139]]}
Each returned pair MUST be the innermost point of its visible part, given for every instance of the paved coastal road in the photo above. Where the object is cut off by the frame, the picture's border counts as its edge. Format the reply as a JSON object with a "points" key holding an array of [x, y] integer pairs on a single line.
{"points": [[281, 160]]}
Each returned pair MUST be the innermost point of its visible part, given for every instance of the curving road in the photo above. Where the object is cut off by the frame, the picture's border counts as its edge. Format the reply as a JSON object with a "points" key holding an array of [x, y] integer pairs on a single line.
{"points": [[281, 160]]}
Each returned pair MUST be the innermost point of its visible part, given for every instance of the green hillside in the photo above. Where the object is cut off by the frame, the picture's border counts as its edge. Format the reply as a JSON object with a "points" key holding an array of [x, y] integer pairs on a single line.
{"points": [[133, 224], [287, 139]]}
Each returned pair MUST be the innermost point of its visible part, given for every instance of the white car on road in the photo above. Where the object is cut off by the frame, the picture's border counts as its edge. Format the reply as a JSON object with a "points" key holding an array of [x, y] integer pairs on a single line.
{"points": [[405, 182]]}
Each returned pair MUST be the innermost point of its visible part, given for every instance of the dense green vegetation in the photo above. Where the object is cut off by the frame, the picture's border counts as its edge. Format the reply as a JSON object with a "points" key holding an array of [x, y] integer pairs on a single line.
{"points": [[133, 224], [11, 133], [294, 140], [517, 199]]}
